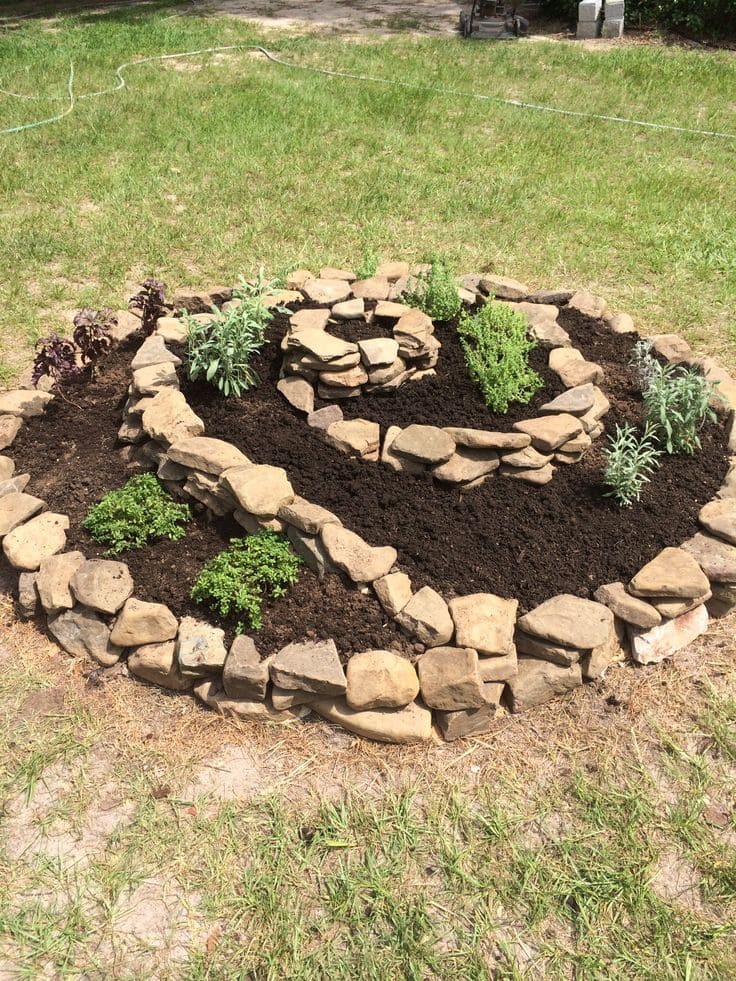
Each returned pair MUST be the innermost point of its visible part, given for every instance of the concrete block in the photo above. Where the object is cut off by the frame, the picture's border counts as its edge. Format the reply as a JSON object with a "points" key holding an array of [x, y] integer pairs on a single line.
{"points": [[589, 10], [615, 9], [613, 28], [588, 29]]}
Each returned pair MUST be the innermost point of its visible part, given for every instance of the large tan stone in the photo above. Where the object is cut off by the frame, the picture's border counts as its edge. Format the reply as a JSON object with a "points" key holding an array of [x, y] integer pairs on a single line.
{"points": [[589, 304], [550, 432], [484, 622], [634, 611], [426, 444], [323, 347], [212, 694], [470, 722], [393, 592], [569, 621], [314, 319], [539, 681], [402, 464], [373, 288], [153, 351], [719, 518], [390, 309], [412, 331], [351, 378], [24, 402], [715, 557], [170, 329], [28, 545], [575, 401], [200, 648], [307, 517], [672, 573], [206, 454], [102, 584], [653, 646], [10, 426], [260, 489], [349, 310], [140, 623], [411, 724], [245, 674], [168, 418], [392, 271], [326, 291], [378, 352], [53, 579], [157, 664], [449, 679], [482, 439], [83, 632], [426, 616], [503, 287], [496, 669], [361, 561], [335, 272], [536, 475], [380, 679], [466, 465], [312, 666], [530, 646], [297, 392], [7, 468], [526, 459], [15, 508], [155, 378], [356, 437]]}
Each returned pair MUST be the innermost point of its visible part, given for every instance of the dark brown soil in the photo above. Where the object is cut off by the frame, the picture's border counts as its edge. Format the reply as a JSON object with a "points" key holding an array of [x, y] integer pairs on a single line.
{"points": [[74, 458], [505, 537]]}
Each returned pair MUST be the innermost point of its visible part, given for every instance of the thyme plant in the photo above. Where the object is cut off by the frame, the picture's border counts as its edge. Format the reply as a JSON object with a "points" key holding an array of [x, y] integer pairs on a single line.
{"points": [[497, 347]]}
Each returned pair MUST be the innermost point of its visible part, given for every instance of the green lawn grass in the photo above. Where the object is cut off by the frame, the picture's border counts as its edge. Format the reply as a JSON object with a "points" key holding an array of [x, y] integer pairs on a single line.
{"points": [[201, 169], [196, 174]]}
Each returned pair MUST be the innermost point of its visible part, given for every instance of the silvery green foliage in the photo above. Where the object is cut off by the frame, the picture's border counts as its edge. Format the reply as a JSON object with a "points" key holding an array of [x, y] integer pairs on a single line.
{"points": [[630, 460], [677, 400], [221, 351]]}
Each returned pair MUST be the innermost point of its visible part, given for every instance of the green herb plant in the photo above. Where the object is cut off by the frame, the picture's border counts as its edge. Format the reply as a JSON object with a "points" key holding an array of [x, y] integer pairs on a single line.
{"points": [[677, 399], [236, 582], [221, 351], [435, 291], [497, 347], [135, 514], [630, 460]]}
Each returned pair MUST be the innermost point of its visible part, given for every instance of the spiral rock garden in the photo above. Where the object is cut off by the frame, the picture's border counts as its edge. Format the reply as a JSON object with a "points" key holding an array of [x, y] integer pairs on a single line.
{"points": [[354, 522]]}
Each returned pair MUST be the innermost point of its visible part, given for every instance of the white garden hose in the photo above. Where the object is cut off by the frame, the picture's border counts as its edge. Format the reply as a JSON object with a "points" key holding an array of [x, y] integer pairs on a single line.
{"points": [[332, 73]]}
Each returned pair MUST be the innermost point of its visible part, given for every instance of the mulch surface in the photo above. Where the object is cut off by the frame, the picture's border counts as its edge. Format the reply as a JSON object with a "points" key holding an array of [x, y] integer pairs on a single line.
{"points": [[505, 537]]}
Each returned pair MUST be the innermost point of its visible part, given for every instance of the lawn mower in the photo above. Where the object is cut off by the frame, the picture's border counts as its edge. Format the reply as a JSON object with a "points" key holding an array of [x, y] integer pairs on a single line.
{"points": [[495, 19]]}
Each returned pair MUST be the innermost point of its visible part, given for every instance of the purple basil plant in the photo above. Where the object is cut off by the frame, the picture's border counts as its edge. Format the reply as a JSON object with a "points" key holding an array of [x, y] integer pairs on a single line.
{"points": [[92, 334], [151, 300], [57, 358]]}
